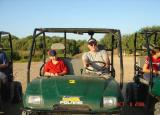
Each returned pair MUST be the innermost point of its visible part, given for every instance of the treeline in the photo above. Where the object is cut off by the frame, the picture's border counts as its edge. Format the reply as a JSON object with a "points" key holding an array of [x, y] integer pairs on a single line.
{"points": [[21, 46], [128, 40]]}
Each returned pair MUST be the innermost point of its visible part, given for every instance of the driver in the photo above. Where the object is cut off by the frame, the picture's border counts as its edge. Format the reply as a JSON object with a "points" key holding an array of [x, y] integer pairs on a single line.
{"points": [[95, 60]]}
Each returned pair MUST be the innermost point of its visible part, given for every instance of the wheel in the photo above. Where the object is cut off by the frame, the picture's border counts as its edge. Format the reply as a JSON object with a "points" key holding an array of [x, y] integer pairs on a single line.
{"points": [[129, 94], [136, 92], [16, 92]]}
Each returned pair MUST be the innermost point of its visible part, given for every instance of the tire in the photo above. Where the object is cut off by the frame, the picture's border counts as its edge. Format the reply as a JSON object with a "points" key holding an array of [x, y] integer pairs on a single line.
{"points": [[129, 94], [16, 92], [135, 92]]}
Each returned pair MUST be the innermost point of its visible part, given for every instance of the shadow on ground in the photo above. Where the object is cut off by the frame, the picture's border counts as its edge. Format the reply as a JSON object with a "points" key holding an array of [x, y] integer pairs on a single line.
{"points": [[136, 111]]}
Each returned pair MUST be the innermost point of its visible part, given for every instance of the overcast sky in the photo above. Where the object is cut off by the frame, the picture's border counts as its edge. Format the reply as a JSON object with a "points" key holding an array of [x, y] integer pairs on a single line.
{"points": [[20, 17]]}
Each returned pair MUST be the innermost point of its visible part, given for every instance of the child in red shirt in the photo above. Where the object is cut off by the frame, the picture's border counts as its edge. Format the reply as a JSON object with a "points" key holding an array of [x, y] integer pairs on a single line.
{"points": [[55, 66], [155, 63]]}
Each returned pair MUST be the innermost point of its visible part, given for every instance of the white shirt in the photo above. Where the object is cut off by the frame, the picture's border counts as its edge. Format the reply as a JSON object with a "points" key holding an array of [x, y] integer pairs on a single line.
{"points": [[100, 55]]}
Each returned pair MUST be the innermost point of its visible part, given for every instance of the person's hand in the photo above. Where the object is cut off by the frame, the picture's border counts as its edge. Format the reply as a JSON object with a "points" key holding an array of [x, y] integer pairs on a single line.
{"points": [[56, 74], [52, 74]]}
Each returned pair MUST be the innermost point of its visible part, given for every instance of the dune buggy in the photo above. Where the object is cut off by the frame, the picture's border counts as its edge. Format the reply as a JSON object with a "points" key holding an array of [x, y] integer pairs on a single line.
{"points": [[143, 91], [75, 92], [11, 91]]}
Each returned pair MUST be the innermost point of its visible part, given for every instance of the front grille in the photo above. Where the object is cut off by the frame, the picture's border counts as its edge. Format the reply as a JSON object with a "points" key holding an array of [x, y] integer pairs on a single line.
{"points": [[76, 108]]}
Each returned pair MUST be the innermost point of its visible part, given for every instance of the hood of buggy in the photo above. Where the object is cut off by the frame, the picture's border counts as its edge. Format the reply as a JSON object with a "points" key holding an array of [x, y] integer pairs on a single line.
{"points": [[72, 93]]}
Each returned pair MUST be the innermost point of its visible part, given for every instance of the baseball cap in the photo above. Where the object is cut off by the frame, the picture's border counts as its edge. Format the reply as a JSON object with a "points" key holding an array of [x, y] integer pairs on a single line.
{"points": [[92, 40], [52, 53]]}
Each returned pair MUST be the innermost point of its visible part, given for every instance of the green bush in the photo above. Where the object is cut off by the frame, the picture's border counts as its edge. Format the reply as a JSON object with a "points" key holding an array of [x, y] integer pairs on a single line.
{"points": [[16, 56]]}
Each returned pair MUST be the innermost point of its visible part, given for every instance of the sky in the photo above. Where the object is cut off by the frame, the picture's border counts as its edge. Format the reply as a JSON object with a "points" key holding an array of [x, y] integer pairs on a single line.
{"points": [[21, 17]]}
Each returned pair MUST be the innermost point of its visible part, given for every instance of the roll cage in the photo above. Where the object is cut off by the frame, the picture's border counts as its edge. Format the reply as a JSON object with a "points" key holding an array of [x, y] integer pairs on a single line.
{"points": [[9, 37], [42, 31], [147, 35]]}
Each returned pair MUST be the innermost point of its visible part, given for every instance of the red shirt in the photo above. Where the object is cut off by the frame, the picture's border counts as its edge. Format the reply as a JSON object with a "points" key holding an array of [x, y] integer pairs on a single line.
{"points": [[55, 68], [154, 63], [158, 60]]}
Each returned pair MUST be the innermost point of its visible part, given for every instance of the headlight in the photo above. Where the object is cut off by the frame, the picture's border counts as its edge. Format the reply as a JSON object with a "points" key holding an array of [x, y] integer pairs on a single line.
{"points": [[109, 101], [34, 100]]}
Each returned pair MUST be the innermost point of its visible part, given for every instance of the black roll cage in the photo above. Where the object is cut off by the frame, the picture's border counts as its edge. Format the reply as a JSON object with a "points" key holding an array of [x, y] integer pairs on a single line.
{"points": [[147, 34], [90, 31]]}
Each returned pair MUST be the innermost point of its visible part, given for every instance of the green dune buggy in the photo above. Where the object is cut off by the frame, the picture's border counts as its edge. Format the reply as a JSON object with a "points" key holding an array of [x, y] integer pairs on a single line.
{"points": [[76, 92]]}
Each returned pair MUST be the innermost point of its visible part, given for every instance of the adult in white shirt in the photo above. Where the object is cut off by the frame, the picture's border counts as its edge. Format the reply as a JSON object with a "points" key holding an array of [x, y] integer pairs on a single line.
{"points": [[95, 60]]}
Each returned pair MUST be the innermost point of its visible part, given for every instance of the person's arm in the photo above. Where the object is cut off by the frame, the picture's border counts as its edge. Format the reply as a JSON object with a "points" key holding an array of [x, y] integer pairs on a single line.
{"points": [[106, 58], [107, 61], [62, 73], [3, 66], [85, 63], [146, 70], [85, 60], [48, 74], [4, 61], [46, 70]]}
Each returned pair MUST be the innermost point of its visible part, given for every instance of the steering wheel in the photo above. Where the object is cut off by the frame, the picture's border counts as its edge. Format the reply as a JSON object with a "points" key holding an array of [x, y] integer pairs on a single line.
{"points": [[97, 62]]}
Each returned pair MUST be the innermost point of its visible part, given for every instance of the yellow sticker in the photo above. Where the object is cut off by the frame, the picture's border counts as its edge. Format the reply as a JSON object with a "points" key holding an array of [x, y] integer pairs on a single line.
{"points": [[71, 100], [72, 81]]}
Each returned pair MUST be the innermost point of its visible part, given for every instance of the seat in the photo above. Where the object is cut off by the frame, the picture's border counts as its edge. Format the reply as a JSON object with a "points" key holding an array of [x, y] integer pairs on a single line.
{"points": [[67, 62], [78, 66], [74, 66]]}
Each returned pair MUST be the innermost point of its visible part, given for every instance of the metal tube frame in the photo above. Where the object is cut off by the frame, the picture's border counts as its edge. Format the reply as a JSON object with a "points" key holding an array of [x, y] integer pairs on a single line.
{"points": [[43, 31]]}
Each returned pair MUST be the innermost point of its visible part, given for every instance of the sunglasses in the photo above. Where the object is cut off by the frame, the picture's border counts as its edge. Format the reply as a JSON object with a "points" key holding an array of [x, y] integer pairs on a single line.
{"points": [[93, 44]]}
